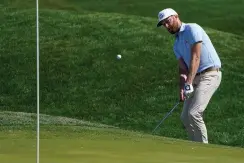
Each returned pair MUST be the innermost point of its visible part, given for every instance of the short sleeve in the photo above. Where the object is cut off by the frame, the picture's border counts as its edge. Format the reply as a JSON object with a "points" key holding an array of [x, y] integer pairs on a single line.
{"points": [[194, 34]]}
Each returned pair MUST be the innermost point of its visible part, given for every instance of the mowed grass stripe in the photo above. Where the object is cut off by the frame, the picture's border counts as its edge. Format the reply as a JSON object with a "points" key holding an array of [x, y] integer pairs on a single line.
{"points": [[78, 144]]}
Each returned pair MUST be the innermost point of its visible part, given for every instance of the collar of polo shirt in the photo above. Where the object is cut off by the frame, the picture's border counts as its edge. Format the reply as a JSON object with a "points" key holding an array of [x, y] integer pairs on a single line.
{"points": [[182, 28]]}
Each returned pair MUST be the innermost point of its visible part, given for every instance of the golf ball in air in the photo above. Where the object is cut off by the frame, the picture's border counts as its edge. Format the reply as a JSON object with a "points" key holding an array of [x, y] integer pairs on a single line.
{"points": [[118, 56]]}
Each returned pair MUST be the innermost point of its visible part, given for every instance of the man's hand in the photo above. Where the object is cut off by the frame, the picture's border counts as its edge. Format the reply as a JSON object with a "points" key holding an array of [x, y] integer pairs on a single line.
{"points": [[182, 96], [188, 90]]}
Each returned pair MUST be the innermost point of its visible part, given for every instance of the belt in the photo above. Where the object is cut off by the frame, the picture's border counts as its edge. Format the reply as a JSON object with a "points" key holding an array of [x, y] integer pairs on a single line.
{"points": [[208, 70]]}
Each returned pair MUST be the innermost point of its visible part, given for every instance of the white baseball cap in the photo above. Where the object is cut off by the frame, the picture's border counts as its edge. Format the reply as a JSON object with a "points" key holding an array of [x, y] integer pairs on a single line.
{"points": [[165, 13]]}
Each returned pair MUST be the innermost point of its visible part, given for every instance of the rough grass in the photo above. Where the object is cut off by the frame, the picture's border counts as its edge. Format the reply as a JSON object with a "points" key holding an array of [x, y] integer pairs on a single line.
{"points": [[20, 119], [81, 78]]}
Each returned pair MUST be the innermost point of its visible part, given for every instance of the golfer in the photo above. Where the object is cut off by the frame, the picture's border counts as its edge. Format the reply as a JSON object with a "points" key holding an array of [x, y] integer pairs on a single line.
{"points": [[199, 71]]}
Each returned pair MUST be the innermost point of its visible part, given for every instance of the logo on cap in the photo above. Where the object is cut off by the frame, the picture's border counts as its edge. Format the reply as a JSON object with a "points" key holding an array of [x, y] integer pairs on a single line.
{"points": [[161, 15]]}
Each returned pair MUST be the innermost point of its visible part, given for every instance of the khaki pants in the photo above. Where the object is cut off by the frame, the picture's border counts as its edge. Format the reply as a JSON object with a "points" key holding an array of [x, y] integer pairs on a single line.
{"points": [[205, 86]]}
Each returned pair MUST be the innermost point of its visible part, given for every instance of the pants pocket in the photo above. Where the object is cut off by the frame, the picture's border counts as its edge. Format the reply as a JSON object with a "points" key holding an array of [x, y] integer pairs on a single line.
{"points": [[208, 82]]}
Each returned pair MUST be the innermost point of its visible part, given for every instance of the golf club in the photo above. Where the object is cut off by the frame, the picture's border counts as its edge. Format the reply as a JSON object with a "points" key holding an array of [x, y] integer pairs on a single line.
{"points": [[166, 115]]}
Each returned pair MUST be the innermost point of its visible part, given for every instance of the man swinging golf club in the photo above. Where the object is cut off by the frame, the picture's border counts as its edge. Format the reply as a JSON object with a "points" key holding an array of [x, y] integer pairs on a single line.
{"points": [[199, 71]]}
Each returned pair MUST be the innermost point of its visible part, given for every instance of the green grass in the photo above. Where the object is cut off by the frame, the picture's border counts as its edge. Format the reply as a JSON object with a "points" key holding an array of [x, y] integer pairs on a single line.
{"points": [[81, 78], [71, 140], [86, 146]]}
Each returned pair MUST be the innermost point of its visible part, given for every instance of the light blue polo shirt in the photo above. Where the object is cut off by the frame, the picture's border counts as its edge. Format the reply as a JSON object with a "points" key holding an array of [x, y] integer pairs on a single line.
{"points": [[189, 34]]}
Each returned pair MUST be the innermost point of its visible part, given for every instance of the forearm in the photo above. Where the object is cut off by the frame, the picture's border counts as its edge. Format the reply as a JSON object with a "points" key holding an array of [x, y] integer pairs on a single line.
{"points": [[183, 71], [195, 61], [182, 78]]}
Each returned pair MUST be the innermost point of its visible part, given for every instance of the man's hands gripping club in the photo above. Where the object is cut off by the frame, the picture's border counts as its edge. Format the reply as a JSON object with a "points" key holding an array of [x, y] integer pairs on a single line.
{"points": [[186, 90]]}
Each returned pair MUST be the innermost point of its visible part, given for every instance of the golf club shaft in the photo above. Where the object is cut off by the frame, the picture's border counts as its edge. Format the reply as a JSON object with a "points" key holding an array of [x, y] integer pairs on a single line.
{"points": [[167, 115]]}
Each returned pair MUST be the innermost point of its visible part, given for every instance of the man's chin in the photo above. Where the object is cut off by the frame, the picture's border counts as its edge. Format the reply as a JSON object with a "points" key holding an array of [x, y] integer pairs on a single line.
{"points": [[172, 32]]}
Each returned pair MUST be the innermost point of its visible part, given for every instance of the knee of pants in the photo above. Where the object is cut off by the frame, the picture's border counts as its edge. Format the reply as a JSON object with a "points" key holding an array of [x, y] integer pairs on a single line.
{"points": [[195, 116], [184, 119]]}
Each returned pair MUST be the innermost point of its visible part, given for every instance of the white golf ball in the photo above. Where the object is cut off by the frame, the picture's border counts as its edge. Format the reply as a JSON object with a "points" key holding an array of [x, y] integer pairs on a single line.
{"points": [[119, 56]]}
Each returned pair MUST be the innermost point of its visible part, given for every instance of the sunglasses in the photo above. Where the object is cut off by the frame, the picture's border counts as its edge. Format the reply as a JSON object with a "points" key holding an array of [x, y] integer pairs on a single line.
{"points": [[167, 21]]}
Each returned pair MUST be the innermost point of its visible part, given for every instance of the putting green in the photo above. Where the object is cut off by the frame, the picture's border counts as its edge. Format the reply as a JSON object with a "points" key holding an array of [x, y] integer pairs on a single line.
{"points": [[95, 145]]}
